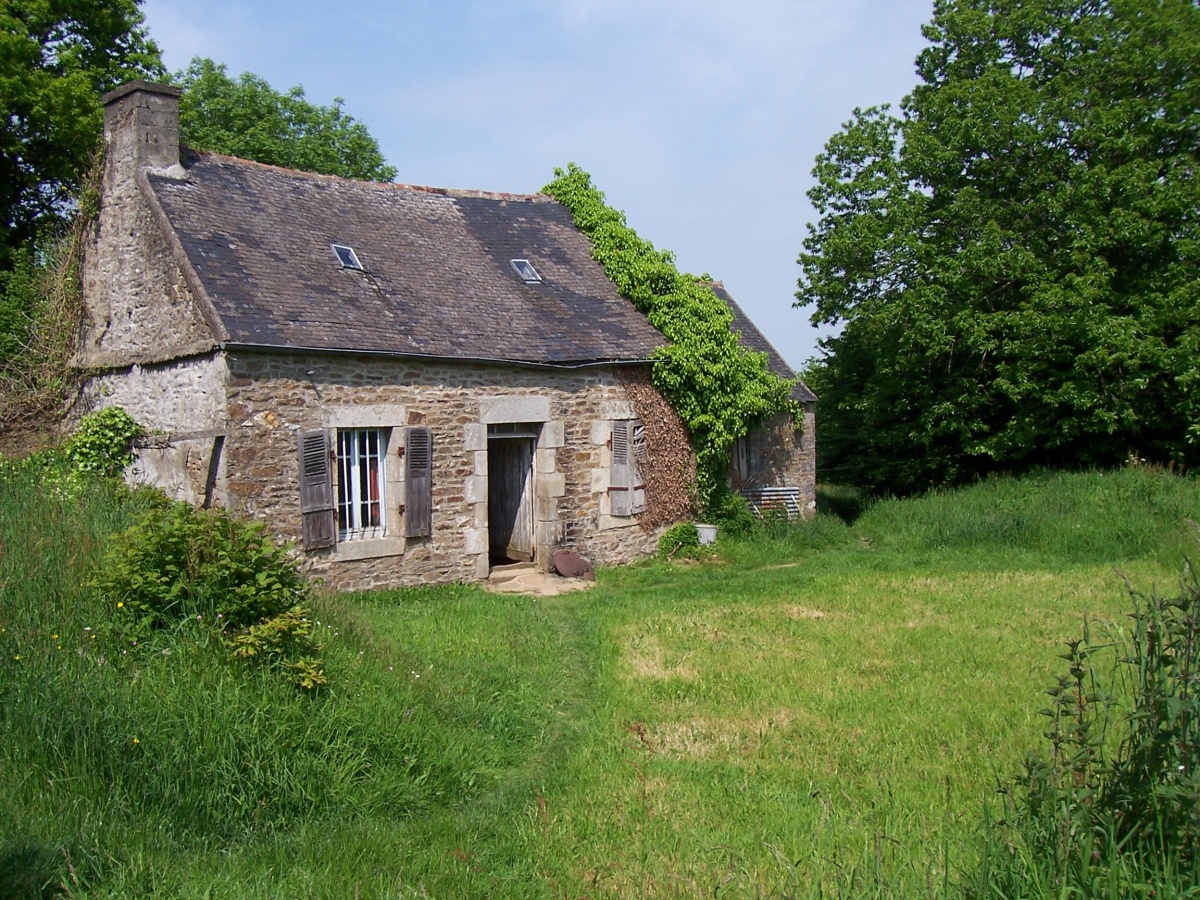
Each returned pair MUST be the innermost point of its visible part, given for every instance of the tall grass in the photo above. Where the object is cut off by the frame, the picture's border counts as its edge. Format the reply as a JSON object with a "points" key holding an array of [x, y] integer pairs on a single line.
{"points": [[814, 710], [1096, 517], [105, 757]]}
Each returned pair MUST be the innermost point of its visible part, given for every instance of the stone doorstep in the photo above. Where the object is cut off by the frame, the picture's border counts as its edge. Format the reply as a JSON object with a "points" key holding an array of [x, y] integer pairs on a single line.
{"points": [[526, 578], [505, 573]]}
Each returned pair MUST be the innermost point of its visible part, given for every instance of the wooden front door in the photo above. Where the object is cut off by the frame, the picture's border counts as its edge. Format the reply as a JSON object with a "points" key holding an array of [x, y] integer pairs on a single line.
{"points": [[510, 498]]}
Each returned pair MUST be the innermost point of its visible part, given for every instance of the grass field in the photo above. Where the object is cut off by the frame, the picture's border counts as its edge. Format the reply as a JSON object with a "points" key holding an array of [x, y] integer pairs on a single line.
{"points": [[822, 710]]}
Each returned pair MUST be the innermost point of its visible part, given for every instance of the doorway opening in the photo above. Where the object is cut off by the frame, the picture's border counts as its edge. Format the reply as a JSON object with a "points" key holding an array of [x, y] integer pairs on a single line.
{"points": [[510, 452]]}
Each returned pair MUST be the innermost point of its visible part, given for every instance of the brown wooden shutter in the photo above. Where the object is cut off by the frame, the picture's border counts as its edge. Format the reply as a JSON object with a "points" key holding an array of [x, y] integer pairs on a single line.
{"points": [[637, 452], [620, 478], [316, 491], [418, 514]]}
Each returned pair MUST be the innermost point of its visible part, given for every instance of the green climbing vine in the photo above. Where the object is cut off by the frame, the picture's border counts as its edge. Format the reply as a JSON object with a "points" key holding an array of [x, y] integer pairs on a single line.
{"points": [[719, 388]]}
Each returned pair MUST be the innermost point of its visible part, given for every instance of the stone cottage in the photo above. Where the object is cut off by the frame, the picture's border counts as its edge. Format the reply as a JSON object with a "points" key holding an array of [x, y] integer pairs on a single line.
{"points": [[411, 384]]}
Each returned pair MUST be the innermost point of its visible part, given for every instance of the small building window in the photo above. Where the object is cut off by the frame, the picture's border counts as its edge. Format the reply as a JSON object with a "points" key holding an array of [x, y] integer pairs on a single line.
{"points": [[360, 487], [346, 256], [525, 269]]}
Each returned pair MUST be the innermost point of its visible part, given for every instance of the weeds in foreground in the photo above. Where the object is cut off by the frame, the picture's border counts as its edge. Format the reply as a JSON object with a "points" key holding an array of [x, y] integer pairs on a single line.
{"points": [[1115, 809]]}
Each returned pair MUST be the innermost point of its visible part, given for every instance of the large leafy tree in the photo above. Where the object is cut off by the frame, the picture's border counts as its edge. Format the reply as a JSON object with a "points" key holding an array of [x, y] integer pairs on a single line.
{"points": [[57, 57], [1013, 262], [245, 117]]}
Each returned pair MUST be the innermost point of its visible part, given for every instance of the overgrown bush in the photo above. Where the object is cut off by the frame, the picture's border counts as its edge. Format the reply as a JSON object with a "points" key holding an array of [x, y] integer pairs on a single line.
{"points": [[179, 564], [732, 513], [1117, 803], [41, 313], [681, 537]]}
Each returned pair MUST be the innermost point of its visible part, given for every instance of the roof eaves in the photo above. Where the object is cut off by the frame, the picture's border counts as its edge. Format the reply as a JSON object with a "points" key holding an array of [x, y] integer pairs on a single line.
{"points": [[431, 357]]}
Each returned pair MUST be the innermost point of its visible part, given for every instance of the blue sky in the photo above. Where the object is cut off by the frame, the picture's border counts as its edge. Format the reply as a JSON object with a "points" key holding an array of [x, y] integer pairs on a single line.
{"points": [[701, 119]]}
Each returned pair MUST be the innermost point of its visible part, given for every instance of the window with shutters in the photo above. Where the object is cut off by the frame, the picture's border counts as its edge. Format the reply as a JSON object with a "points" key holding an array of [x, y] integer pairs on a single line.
{"points": [[361, 500], [627, 493], [352, 490]]}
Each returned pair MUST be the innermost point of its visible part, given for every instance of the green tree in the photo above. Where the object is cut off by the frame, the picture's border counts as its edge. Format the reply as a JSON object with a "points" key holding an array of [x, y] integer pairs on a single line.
{"points": [[1012, 262], [245, 117], [57, 57]]}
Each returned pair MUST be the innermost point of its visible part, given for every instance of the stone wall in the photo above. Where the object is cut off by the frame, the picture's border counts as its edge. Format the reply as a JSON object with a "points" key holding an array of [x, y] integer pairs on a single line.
{"points": [[272, 398], [182, 406], [782, 455]]}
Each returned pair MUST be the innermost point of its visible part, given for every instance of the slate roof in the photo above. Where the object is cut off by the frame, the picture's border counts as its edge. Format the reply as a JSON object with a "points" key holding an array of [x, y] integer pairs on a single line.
{"points": [[437, 281], [755, 340]]}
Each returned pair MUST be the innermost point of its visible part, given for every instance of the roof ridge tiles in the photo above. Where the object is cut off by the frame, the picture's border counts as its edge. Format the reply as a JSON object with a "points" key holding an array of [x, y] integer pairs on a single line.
{"points": [[381, 185]]}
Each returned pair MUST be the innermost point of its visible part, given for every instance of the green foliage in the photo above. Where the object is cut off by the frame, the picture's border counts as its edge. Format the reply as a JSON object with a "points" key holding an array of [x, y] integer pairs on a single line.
{"points": [[178, 565], [287, 638], [682, 537], [1045, 518], [1118, 799], [847, 503], [827, 706], [245, 117], [102, 445], [1010, 263], [56, 60], [719, 389], [18, 298], [732, 513], [99, 450]]}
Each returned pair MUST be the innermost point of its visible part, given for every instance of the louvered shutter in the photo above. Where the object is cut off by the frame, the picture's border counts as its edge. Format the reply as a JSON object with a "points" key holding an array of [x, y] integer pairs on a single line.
{"points": [[637, 453], [316, 491], [418, 515], [620, 473]]}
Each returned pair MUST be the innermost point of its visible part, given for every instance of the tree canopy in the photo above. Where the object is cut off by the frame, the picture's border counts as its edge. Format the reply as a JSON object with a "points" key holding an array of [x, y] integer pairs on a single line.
{"points": [[245, 117], [57, 57], [1012, 262]]}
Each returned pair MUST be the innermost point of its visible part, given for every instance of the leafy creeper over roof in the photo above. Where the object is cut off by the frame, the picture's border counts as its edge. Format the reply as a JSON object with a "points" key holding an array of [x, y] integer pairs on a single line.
{"points": [[719, 388]]}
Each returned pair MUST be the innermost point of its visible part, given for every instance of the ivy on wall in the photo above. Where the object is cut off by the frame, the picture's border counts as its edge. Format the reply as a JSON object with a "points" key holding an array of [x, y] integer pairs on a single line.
{"points": [[719, 388]]}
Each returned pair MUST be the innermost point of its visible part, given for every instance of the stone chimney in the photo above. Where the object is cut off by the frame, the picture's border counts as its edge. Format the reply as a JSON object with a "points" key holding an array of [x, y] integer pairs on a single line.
{"points": [[141, 125]]}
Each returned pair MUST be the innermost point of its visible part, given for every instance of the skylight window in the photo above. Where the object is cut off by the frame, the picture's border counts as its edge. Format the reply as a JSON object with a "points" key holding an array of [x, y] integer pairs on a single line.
{"points": [[525, 269], [346, 256]]}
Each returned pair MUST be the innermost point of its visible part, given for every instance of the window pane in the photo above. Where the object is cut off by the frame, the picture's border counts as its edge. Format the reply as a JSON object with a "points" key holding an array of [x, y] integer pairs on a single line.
{"points": [[360, 483]]}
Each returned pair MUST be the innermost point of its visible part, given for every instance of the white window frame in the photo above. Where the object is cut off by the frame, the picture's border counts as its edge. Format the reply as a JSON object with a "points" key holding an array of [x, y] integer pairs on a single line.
{"points": [[361, 483]]}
